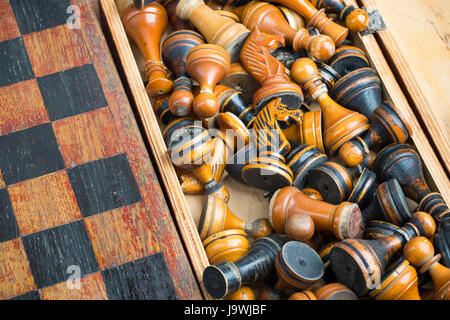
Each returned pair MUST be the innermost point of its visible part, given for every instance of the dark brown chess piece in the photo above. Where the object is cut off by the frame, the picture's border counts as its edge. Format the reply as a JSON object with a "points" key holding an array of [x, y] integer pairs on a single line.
{"points": [[377, 229], [174, 51], [348, 58], [162, 111], [343, 220], [287, 56], [269, 19], [227, 245], [208, 64], [339, 124], [256, 58], [361, 264], [257, 265], [327, 74], [145, 27], [355, 19], [232, 101], [324, 253], [364, 189], [238, 161], [334, 291], [420, 253], [441, 239], [216, 29]]}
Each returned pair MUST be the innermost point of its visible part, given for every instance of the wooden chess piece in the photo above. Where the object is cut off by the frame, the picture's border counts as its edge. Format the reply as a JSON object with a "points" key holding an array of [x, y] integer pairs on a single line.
{"points": [[176, 23], [317, 18], [302, 160], [234, 129], [399, 283], [442, 239], [420, 253], [386, 127], [244, 293], [355, 19], [237, 162], [216, 216], [256, 58], [364, 189], [298, 267], [294, 19], [377, 229], [216, 29], [348, 58], [214, 5], [174, 51], [339, 124], [162, 111], [343, 220], [324, 253], [334, 291], [174, 125], [303, 295], [361, 264], [287, 56], [402, 162], [227, 245], [269, 19], [268, 170], [299, 227], [208, 64], [257, 265], [232, 101], [145, 27], [312, 193], [328, 75], [312, 129]]}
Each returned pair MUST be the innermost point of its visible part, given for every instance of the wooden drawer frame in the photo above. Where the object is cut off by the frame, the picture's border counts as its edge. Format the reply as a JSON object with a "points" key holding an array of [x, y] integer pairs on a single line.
{"points": [[434, 172]]}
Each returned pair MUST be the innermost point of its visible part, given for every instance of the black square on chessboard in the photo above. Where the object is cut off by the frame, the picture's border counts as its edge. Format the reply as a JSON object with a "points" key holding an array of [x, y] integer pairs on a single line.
{"points": [[8, 225], [143, 279], [51, 252], [36, 15], [29, 153], [71, 92], [104, 185], [32, 295], [15, 64]]}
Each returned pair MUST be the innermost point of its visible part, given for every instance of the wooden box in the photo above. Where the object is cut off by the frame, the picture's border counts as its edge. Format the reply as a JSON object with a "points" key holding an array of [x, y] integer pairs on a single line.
{"points": [[246, 202]]}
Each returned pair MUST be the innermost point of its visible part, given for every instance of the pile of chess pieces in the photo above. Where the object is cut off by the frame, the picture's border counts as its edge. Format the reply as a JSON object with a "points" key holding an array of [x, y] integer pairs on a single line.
{"points": [[275, 94]]}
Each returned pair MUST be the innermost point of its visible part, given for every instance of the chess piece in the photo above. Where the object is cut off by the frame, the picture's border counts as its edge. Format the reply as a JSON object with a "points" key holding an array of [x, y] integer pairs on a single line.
{"points": [[316, 18], [400, 283], [174, 51], [162, 111], [269, 19], [334, 291], [244, 293], [299, 227], [303, 295], [268, 170], [174, 125], [328, 75], [348, 58], [294, 19], [355, 19], [287, 56], [256, 58], [339, 124], [232, 101], [361, 264], [402, 162], [176, 23], [324, 253], [241, 81], [312, 193], [364, 189], [420, 253], [257, 265], [214, 5], [386, 127], [216, 216], [377, 229], [227, 245], [229, 15], [216, 29], [238, 161], [145, 27], [302, 160], [234, 129], [442, 239], [343, 220], [388, 205], [312, 129], [208, 64]]}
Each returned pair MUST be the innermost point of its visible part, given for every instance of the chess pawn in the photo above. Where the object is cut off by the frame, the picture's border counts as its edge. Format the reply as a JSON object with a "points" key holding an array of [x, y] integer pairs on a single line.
{"points": [[208, 64], [334, 291], [227, 245], [402, 162], [298, 267], [339, 124], [237, 162], [217, 29], [303, 295], [377, 229], [361, 264], [176, 23], [302, 160], [343, 220], [399, 283], [420, 253], [269, 19], [324, 253], [317, 18], [162, 111], [312, 129], [327, 74], [174, 51], [244, 293], [355, 19], [364, 189], [312, 193], [216, 216], [348, 58], [256, 58], [146, 27], [386, 127], [389, 205], [257, 265], [232, 101], [294, 19]]}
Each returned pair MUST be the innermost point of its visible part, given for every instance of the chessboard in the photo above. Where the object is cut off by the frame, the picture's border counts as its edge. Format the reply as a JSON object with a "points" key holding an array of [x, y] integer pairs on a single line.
{"points": [[82, 214]]}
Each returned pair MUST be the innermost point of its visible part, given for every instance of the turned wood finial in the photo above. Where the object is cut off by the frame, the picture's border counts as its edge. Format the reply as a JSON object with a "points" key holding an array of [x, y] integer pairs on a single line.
{"points": [[339, 124], [145, 27], [420, 253]]}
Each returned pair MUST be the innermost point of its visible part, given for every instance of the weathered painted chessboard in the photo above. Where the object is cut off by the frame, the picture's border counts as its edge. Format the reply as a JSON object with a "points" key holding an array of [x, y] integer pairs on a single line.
{"points": [[79, 198]]}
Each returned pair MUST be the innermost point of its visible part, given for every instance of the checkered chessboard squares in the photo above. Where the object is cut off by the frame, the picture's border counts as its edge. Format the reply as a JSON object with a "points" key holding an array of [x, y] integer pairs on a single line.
{"points": [[8, 225], [15, 65]]}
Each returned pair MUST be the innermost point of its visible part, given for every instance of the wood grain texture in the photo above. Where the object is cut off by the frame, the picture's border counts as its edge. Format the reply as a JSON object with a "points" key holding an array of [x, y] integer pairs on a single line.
{"points": [[8, 24], [417, 44]]}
